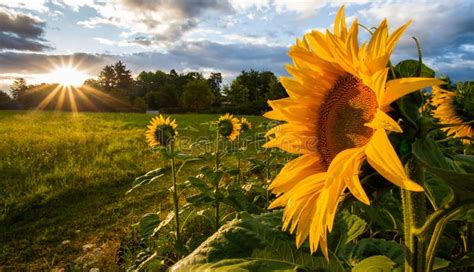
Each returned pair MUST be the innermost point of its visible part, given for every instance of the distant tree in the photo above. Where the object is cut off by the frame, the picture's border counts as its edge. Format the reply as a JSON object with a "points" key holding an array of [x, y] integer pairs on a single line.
{"points": [[18, 89], [139, 104], [4, 97], [276, 90], [123, 76], [215, 82], [197, 95], [107, 77], [92, 83], [5, 100], [238, 93]]}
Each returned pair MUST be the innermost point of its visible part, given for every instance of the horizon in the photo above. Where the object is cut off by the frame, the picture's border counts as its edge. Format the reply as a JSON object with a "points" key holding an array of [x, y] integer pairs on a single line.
{"points": [[210, 36]]}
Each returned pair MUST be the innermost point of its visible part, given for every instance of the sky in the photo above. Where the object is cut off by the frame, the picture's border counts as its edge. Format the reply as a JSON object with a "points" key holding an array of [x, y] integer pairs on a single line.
{"points": [[225, 36]]}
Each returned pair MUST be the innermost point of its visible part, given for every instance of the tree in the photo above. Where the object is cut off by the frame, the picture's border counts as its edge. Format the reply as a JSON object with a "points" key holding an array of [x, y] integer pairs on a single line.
{"points": [[18, 89], [92, 83], [238, 93], [5, 100], [197, 95], [107, 77], [276, 91], [215, 82], [123, 76], [139, 104]]}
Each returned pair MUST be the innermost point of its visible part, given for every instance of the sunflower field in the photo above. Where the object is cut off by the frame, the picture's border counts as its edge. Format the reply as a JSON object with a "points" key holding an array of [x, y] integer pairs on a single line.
{"points": [[365, 166]]}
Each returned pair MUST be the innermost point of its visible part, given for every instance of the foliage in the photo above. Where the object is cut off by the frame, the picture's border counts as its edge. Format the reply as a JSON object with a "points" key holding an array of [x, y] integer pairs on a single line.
{"points": [[197, 95]]}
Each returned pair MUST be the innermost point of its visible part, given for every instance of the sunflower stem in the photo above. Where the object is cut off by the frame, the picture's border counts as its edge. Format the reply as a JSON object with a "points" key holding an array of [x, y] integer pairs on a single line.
{"points": [[238, 159], [217, 204], [175, 193], [414, 215]]}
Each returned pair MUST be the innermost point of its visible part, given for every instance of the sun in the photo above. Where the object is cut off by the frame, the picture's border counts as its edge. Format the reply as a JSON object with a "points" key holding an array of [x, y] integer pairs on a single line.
{"points": [[67, 76]]}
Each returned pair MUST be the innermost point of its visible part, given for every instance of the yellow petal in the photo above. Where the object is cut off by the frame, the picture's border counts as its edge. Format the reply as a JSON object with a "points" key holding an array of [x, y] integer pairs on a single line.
{"points": [[295, 171], [383, 121], [400, 87], [393, 39], [383, 158]]}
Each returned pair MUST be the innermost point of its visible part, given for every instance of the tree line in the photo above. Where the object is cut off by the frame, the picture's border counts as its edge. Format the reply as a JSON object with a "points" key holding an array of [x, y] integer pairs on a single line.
{"points": [[115, 89]]}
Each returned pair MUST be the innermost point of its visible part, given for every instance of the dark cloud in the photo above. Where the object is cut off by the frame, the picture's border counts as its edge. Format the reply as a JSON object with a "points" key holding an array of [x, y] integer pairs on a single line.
{"points": [[35, 63], [21, 32], [8, 41], [227, 58], [179, 8]]}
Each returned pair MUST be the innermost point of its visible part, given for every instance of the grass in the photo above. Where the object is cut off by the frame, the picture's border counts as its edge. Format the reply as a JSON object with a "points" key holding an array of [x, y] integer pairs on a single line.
{"points": [[64, 178]]}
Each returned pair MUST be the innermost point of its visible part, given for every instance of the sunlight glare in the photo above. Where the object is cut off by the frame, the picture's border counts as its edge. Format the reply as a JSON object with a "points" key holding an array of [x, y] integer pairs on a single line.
{"points": [[67, 76]]}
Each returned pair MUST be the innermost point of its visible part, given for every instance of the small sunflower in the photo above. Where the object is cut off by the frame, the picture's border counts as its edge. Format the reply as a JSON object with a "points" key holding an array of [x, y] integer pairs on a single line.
{"points": [[245, 124], [335, 118], [161, 131], [229, 126], [455, 107]]}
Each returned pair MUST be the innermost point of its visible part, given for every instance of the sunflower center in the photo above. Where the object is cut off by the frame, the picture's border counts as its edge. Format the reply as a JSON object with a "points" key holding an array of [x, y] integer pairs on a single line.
{"points": [[225, 127], [164, 134], [346, 108]]}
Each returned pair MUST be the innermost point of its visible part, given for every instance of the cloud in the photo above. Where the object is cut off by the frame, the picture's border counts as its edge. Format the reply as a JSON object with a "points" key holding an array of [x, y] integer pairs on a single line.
{"points": [[159, 22], [34, 5], [37, 63], [437, 25], [202, 56], [19, 31]]}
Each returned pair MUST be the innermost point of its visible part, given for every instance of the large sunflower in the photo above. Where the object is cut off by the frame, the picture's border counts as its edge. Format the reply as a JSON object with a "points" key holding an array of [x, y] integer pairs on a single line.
{"points": [[229, 126], [161, 131], [335, 118], [455, 107]]}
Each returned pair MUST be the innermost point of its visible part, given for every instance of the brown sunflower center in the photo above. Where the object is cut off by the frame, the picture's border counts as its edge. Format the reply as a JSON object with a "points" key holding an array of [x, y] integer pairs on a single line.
{"points": [[346, 108]]}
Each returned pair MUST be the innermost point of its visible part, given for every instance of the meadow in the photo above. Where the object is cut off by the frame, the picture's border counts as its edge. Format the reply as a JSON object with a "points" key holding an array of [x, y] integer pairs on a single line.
{"points": [[64, 178]]}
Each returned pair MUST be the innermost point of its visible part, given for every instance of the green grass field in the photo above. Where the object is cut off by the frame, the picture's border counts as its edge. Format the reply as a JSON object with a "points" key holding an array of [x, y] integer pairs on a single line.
{"points": [[64, 178]]}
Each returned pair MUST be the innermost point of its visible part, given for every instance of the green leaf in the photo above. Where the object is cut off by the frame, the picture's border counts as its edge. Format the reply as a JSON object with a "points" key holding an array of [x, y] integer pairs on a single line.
{"points": [[148, 178], [201, 186], [463, 262], [374, 264], [465, 162], [440, 263], [236, 198], [347, 227], [466, 216], [438, 190], [253, 243], [385, 211], [409, 68], [244, 265], [430, 156], [409, 108], [213, 176], [164, 223], [372, 247], [147, 224], [200, 199]]}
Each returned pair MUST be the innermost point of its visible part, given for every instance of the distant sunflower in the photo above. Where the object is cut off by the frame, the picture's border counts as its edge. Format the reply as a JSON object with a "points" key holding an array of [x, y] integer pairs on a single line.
{"points": [[161, 131], [245, 124], [455, 108], [229, 126], [335, 117]]}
